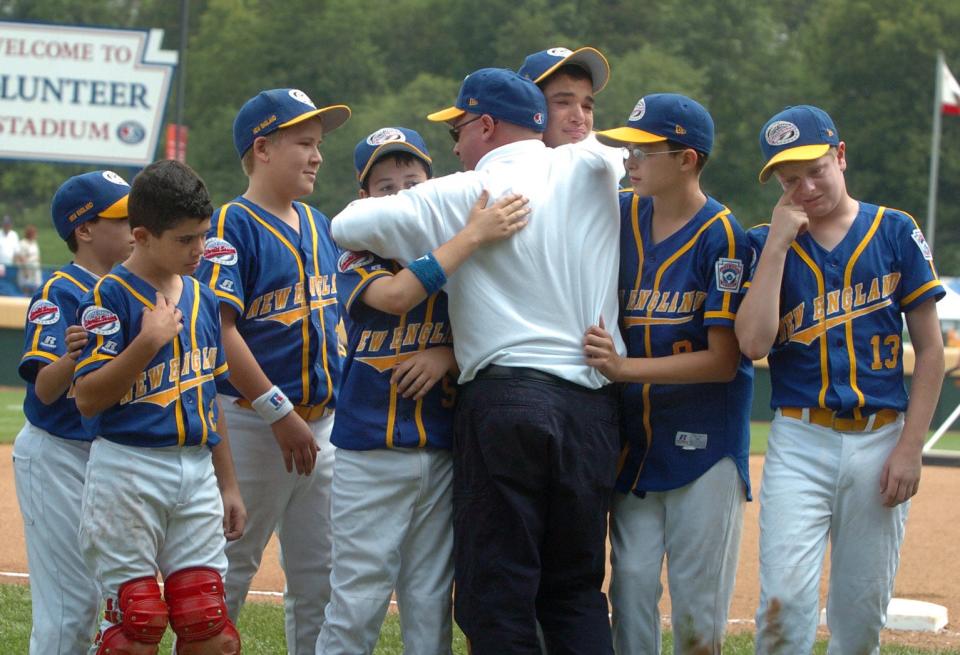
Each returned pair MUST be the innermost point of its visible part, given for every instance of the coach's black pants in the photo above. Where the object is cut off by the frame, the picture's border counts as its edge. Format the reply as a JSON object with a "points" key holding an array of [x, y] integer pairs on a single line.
{"points": [[534, 466]]}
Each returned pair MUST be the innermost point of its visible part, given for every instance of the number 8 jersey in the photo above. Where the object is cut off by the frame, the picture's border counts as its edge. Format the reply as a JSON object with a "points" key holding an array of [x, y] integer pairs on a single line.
{"points": [[838, 345]]}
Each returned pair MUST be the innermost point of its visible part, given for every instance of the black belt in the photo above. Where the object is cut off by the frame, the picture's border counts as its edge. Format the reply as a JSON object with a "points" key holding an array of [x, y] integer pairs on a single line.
{"points": [[497, 372]]}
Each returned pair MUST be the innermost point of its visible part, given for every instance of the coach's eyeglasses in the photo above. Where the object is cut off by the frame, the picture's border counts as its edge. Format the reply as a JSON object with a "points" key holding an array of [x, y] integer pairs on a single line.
{"points": [[639, 154], [455, 131]]}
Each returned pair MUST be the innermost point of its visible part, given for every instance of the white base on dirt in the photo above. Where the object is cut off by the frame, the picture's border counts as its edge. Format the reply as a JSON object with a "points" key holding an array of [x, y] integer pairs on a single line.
{"points": [[906, 614]]}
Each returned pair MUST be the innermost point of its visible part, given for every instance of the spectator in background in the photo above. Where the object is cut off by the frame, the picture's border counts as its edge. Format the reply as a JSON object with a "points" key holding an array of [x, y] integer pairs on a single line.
{"points": [[9, 240], [27, 259]]}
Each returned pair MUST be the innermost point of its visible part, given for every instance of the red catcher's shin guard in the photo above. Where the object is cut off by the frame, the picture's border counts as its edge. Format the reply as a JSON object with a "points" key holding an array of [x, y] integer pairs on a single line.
{"points": [[198, 613], [139, 618]]}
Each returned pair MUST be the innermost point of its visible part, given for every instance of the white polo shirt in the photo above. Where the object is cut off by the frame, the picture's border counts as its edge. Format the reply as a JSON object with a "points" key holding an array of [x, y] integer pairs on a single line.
{"points": [[528, 300]]}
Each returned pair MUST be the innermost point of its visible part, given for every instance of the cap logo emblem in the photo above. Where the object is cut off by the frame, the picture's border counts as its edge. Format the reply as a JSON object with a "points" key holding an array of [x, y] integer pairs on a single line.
{"points": [[110, 176], [781, 133], [300, 96], [679, 129], [829, 132], [385, 135], [538, 118], [559, 52], [638, 110], [473, 102]]}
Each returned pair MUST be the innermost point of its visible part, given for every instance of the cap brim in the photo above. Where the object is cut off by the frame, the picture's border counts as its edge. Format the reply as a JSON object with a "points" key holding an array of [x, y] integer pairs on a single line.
{"points": [[332, 117], [800, 153], [447, 114], [620, 136], [393, 146], [117, 209], [590, 59]]}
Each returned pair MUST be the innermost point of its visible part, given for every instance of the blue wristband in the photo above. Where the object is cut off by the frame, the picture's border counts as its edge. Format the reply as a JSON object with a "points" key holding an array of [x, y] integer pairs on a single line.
{"points": [[430, 273]]}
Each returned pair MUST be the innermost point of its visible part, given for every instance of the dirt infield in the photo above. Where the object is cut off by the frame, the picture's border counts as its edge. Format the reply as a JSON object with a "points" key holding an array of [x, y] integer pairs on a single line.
{"points": [[929, 569]]}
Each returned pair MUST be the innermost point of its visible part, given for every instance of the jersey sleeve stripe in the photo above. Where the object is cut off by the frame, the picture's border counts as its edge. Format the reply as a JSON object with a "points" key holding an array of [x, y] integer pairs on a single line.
{"points": [[39, 353], [720, 314], [230, 297], [90, 360], [221, 370], [848, 328], [365, 279], [919, 292]]}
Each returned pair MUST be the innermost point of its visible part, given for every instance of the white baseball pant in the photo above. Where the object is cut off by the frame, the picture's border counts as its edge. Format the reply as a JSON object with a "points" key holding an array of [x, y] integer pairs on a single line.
{"points": [[297, 508], [820, 484]]}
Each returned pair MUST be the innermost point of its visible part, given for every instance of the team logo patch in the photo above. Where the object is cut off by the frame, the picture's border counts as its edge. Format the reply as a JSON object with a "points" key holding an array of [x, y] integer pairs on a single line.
{"points": [[100, 320], [922, 244], [49, 341], [538, 118], [131, 132], [110, 176], [350, 260], [781, 133], [638, 110], [300, 96], [559, 52], [43, 312], [385, 135], [110, 347], [219, 251], [729, 274]]}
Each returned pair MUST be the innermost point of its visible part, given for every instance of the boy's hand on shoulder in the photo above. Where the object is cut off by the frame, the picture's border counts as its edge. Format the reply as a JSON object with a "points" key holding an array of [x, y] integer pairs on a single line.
{"points": [[162, 323], [76, 340], [501, 220], [789, 220], [416, 376], [296, 442], [234, 513]]}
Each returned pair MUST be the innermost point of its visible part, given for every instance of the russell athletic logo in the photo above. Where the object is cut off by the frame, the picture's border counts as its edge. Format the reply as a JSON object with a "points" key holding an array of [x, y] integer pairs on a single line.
{"points": [[219, 251], [43, 312], [100, 320]]}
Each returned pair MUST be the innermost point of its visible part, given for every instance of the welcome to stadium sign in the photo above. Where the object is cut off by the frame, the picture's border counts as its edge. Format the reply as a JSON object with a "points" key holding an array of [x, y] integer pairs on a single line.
{"points": [[82, 94]]}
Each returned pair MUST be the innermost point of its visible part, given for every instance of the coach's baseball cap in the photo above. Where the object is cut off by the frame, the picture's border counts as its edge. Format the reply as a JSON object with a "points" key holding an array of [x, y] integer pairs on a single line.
{"points": [[269, 111], [386, 140], [540, 65], [661, 116], [502, 94], [799, 133], [100, 194]]}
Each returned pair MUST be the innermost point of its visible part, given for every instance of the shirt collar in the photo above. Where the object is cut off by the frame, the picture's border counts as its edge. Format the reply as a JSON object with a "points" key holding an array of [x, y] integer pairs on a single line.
{"points": [[509, 151]]}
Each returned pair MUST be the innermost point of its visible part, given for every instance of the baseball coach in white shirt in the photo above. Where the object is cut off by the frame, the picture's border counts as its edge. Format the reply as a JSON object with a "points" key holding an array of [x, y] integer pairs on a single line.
{"points": [[536, 438]]}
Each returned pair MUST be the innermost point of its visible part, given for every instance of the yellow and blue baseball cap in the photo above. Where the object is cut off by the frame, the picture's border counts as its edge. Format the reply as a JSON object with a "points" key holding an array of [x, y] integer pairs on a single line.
{"points": [[800, 133], [540, 65], [661, 116], [386, 140], [502, 94], [269, 111], [100, 194]]}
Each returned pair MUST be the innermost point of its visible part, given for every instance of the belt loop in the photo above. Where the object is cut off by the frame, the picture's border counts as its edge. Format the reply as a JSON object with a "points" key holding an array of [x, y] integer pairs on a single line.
{"points": [[805, 414], [870, 421]]}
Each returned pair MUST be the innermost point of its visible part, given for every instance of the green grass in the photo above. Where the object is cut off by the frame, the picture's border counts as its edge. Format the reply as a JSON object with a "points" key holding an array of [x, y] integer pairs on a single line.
{"points": [[261, 627]]}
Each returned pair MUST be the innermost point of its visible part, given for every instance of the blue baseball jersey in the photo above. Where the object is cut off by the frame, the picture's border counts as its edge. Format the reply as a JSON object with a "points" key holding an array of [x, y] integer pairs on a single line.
{"points": [[838, 345], [671, 293], [52, 310], [372, 414], [173, 401], [282, 285]]}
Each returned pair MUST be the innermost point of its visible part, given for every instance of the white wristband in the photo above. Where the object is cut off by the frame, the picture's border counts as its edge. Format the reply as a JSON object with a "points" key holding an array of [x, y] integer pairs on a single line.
{"points": [[273, 405]]}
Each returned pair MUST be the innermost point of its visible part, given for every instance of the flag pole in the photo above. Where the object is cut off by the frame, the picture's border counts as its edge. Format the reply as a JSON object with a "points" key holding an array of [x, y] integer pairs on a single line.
{"points": [[935, 153]]}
